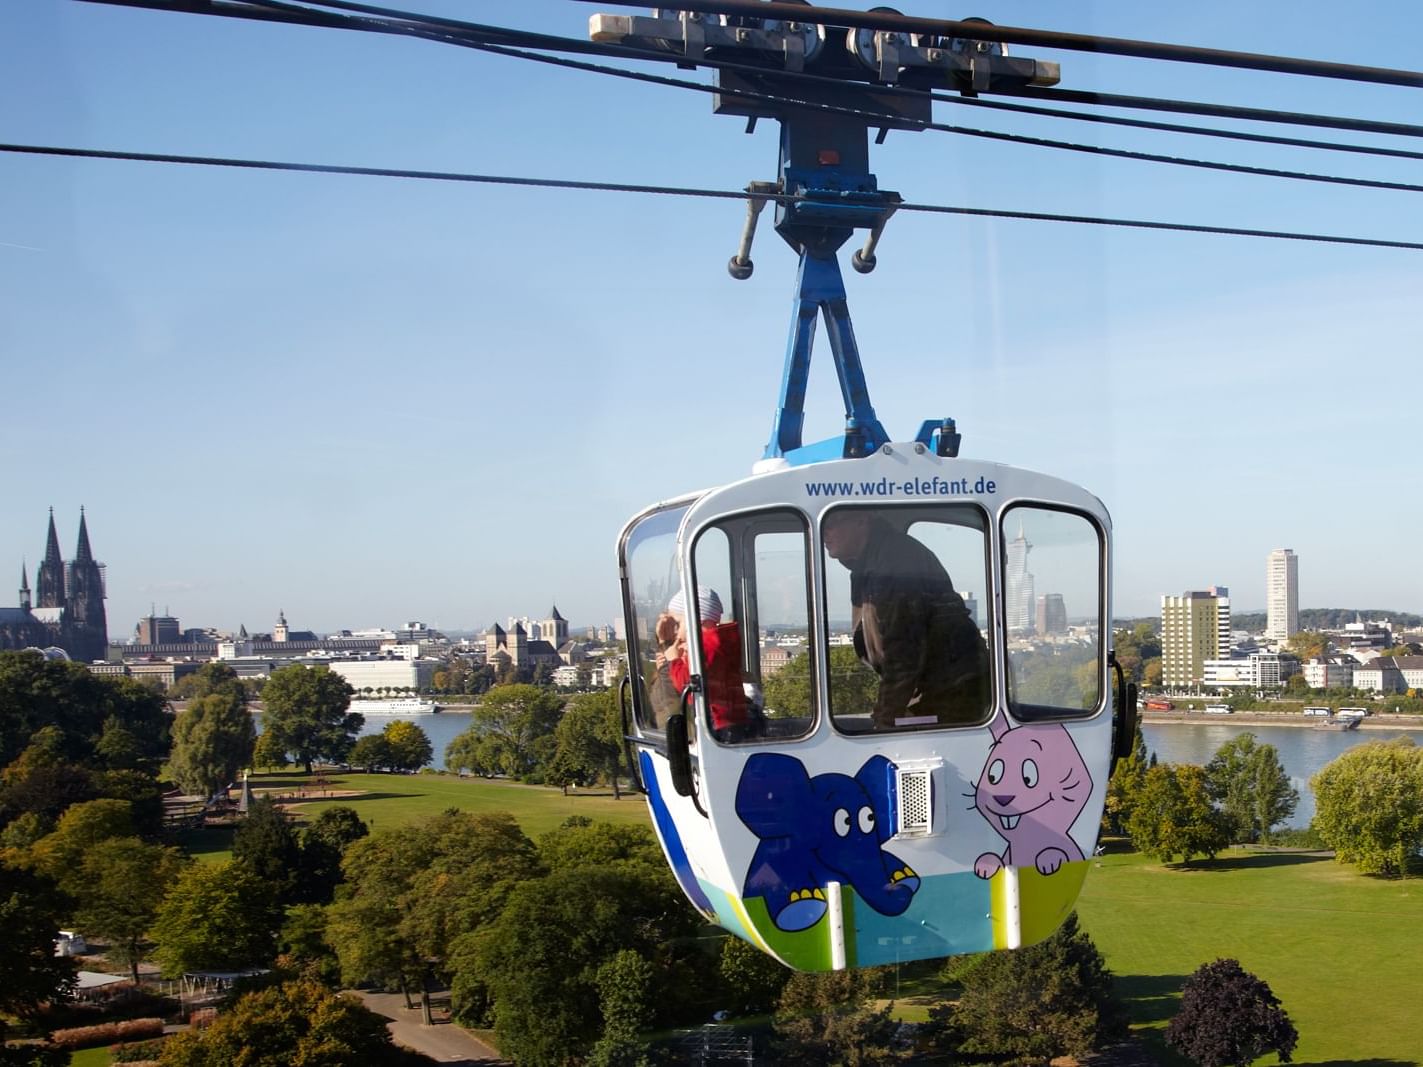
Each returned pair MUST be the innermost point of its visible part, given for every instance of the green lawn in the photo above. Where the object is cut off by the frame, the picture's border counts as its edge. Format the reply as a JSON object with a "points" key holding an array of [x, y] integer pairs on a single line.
{"points": [[1341, 951], [90, 1057]]}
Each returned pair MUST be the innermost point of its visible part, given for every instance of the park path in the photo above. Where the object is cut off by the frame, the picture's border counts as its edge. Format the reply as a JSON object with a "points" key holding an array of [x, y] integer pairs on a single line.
{"points": [[444, 1042]]}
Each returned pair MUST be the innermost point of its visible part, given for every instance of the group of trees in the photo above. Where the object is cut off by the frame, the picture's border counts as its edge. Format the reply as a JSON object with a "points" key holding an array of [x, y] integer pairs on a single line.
{"points": [[528, 733], [1183, 810]]}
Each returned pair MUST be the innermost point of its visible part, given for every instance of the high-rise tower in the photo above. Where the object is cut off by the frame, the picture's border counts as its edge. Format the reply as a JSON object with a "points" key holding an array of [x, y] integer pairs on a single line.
{"points": [[1018, 595], [1281, 594]]}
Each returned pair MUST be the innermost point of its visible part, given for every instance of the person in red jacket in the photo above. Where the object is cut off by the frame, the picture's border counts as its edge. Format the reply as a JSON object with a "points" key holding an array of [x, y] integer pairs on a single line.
{"points": [[731, 715]]}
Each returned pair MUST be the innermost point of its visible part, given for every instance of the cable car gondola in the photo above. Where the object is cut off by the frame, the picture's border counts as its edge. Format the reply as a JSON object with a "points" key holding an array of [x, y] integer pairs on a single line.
{"points": [[868, 695]]}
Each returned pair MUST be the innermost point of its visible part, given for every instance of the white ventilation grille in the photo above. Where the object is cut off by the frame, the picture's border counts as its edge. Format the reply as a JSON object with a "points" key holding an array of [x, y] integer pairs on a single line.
{"points": [[915, 788]]}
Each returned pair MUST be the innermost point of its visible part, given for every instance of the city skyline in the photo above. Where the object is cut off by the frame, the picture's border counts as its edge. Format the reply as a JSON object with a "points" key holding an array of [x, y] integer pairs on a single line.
{"points": [[364, 400]]}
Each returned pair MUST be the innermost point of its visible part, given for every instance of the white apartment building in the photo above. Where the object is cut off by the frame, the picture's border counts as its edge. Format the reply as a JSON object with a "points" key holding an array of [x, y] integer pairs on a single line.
{"points": [[1390, 674], [1281, 594], [1329, 674], [374, 674], [1259, 670]]}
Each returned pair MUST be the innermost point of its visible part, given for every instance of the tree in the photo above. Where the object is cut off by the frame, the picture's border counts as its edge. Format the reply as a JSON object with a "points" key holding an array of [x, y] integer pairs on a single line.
{"points": [[1051, 999], [268, 752], [306, 712], [371, 752], [409, 745], [60, 854], [582, 842], [1308, 644], [211, 677], [267, 845], [31, 911], [511, 733], [589, 740], [216, 916], [323, 844], [43, 780], [213, 739], [1173, 815], [1230, 1018], [1125, 782], [751, 981], [295, 1023], [124, 883], [36, 693], [582, 917], [411, 894], [832, 1018], [1249, 782], [788, 693], [627, 997], [1369, 805]]}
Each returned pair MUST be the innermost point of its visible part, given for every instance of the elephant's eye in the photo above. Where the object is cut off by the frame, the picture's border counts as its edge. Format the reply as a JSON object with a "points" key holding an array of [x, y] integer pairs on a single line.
{"points": [[842, 822], [867, 820], [1030, 773], [995, 772]]}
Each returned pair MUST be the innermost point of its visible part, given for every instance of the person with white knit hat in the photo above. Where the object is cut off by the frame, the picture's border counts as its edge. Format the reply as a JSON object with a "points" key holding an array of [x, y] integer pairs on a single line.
{"points": [[721, 662]]}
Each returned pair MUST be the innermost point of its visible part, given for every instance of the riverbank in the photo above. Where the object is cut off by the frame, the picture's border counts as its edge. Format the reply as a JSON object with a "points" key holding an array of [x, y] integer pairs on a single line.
{"points": [[1275, 718]]}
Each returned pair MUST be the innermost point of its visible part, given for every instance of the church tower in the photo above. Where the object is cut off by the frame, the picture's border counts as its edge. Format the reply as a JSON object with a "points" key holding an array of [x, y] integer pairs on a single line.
{"points": [[555, 628], [85, 593], [49, 579], [24, 588]]}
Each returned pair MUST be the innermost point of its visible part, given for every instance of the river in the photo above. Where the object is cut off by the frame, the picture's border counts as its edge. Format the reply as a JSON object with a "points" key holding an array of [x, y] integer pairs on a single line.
{"points": [[1302, 750]]}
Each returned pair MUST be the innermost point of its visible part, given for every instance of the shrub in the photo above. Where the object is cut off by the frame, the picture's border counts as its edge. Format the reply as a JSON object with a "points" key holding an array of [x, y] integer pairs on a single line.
{"points": [[107, 1033], [1230, 1018], [136, 1052], [202, 1017]]}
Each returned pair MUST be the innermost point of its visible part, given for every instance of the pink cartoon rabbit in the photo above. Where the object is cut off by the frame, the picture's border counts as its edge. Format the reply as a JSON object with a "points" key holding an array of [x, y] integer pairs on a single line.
{"points": [[1033, 786]]}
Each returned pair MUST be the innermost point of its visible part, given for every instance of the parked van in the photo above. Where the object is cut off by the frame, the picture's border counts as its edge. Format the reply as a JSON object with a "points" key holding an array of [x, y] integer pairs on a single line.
{"points": [[1352, 713], [1317, 711], [1217, 709]]}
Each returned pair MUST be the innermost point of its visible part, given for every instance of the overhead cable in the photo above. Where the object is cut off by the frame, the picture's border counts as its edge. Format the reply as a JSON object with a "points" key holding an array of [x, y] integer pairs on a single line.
{"points": [[412, 26], [392, 21], [670, 190], [1073, 42], [943, 127]]}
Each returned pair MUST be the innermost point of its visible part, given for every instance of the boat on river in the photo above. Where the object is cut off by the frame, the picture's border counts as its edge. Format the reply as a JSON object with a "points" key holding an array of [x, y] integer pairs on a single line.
{"points": [[399, 706], [1334, 722]]}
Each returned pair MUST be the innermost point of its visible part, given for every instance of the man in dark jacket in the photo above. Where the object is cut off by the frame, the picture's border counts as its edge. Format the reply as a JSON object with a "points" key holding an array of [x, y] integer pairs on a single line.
{"points": [[909, 624]]}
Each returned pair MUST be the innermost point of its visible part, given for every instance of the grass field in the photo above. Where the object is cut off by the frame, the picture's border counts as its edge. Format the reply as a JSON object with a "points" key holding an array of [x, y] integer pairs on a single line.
{"points": [[392, 800], [90, 1057], [1341, 951]]}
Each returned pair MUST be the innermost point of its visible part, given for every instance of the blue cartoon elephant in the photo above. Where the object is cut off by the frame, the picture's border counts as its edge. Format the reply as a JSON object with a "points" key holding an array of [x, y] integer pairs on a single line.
{"points": [[830, 828]]}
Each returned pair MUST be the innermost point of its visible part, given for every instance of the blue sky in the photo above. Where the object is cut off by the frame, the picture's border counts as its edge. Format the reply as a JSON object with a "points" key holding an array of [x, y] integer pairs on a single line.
{"points": [[367, 400]]}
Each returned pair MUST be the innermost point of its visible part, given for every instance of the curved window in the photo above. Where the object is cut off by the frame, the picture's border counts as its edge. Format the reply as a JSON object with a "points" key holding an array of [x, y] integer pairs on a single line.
{"points": [[751, 615], [907, 632], [649, 580], [1052, 607]]}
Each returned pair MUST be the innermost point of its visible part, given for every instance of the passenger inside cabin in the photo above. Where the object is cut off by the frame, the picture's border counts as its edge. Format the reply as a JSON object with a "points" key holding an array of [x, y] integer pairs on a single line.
{"points": [[731, 712], [909, 623]]}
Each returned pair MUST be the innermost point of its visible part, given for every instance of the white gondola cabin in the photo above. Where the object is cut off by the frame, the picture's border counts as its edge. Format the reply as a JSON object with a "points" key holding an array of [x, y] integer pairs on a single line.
{"points": [[801, 806]]}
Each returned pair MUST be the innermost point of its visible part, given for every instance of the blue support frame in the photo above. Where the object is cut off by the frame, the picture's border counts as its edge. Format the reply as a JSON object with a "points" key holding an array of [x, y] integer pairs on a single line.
{"points": [[820, 290]]}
